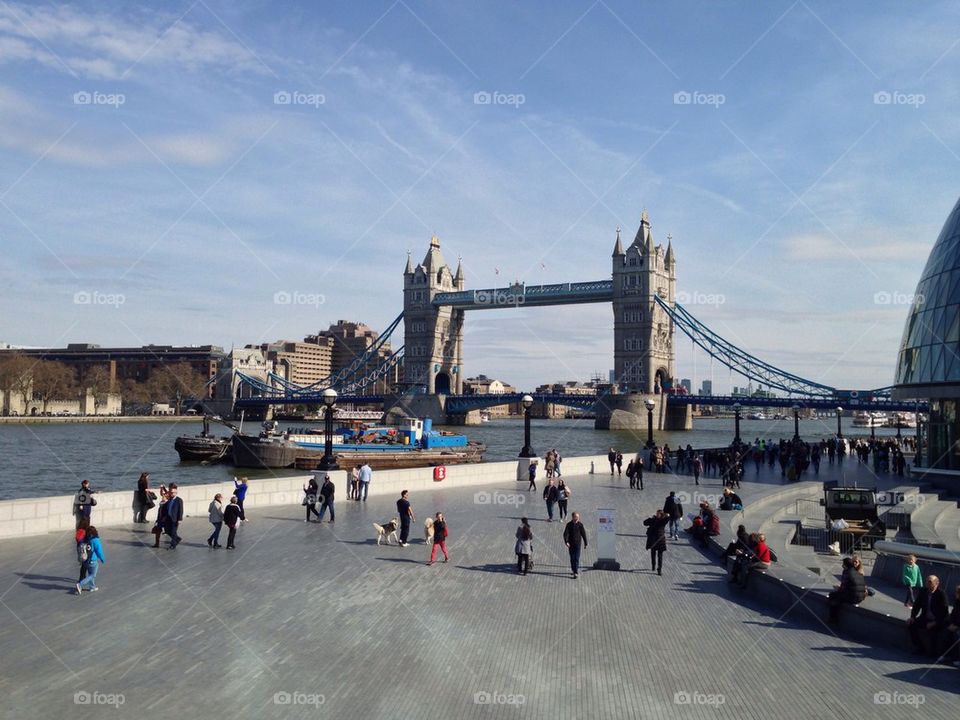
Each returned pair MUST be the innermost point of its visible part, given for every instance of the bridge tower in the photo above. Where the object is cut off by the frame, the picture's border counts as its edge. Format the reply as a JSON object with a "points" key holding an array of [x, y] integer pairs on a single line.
{"points": [[433, 336], [643, 333]]}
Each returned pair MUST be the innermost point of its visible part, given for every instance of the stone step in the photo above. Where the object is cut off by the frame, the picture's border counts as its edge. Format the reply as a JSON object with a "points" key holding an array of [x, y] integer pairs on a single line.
{"points": [[923, 519], [947, 525]]}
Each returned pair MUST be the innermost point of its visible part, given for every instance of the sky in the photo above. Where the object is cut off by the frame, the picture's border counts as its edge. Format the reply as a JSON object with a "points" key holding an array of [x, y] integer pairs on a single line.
{"points": [[240, 172]]}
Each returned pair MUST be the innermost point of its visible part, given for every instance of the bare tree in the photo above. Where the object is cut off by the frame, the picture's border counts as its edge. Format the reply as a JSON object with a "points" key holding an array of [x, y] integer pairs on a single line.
{"points": [[52, 381], [16, 377], [180, 382], [96, 380]]}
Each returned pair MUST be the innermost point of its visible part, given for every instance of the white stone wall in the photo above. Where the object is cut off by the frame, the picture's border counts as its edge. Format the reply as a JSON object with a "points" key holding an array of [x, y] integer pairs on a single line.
{"points": [[37, 516]]}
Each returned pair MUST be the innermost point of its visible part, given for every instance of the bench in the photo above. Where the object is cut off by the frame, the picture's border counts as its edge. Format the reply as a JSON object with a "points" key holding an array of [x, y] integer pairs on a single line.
{"points": [[932, 561]]}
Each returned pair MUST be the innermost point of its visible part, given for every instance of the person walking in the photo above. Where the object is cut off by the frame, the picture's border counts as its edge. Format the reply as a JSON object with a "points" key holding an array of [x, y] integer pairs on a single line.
{"points": [[524, 546], [656, 540], [575, 536], [82, 552], [173, 516], [240, 492], [549, 464], [612, 459], [160, 526], [697, 469], [366, 475], [619, 461], [327, 491], [231, 517], [353, 491], [215, 513], [310, 491], [95, 558], [440, 534], [84, 501], [912, 580], [556, 461], [563, 495], [405, 513], [673, 509], [638, 471], [532, 474], [551, 496]]}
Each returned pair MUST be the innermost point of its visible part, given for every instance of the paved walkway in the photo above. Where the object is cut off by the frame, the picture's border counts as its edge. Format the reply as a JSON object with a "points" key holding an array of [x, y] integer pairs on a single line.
{"points": [[313, 621]]}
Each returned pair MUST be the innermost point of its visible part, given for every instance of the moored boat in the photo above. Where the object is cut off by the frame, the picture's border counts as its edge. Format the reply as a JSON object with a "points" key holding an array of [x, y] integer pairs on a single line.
{"points": [[202, 447]]}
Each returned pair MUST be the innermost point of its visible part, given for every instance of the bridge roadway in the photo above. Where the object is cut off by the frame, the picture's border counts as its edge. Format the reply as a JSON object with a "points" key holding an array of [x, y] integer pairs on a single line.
{"points": [[310, 612]]}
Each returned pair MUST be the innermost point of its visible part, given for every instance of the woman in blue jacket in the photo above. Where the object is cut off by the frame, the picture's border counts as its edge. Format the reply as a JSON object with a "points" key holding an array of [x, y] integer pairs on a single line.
{"points": [[95, 558]]}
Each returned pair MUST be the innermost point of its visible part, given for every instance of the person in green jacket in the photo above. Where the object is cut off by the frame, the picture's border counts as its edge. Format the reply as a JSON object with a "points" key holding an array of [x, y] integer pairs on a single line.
{"points": [[912, 579]]}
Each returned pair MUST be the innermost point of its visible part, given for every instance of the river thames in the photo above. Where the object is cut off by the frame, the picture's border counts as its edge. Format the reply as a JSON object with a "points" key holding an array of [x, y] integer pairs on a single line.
{"points": [[52, 459]]}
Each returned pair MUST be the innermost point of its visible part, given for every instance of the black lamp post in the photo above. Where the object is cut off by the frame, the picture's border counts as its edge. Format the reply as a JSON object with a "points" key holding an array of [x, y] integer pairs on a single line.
{"points": [[329, 400], [796, 422], [650, 404], [839, 431], [873, 430], [526, 451], [737, 407], [898, 421]]}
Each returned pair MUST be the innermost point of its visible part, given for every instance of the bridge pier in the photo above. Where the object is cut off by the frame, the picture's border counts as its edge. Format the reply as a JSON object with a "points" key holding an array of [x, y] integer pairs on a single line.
{"points": [[628, 412], [420, 406]]}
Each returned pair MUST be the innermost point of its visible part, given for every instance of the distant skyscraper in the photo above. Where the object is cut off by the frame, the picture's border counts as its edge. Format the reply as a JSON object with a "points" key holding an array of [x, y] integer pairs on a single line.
{"points": [[706, 387], [613, 376], [687, 385]]}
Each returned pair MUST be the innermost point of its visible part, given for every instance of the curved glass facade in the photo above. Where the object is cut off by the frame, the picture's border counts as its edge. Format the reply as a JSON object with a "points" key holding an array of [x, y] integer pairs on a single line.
{"points": [[930, 348]]}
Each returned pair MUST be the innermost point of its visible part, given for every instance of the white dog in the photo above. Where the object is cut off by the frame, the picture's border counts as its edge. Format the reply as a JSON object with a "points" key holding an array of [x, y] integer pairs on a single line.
{"points": [[387, 530], [428, 530]]}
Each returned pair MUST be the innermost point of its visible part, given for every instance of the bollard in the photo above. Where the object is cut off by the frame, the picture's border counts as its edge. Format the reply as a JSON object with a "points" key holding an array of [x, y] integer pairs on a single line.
{"points": [[591, 467]]}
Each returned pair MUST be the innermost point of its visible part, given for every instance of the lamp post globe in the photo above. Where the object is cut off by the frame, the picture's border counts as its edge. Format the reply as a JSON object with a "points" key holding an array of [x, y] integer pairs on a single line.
{"points": [[329, 400], [796, 422], [650, 404], [526, 451]]}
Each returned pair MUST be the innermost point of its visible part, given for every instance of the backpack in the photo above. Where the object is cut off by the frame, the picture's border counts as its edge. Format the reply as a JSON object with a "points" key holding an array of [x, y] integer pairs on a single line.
{"points": [[84, 551]]}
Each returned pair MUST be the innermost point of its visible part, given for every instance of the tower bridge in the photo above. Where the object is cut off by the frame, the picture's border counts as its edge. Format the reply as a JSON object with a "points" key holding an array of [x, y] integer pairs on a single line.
{"points": [[641, 290]]}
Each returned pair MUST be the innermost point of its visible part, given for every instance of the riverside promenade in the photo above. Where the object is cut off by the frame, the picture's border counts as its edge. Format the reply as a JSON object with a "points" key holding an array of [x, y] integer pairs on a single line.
{"points": [[314, 621]]}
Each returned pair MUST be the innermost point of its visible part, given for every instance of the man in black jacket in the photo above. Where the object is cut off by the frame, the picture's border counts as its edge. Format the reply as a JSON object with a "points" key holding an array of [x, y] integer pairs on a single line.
{"points": [[573, 535], [551, 494], [674, 510], [174, 515], [327, 491], [231, 518], [928, 619]]}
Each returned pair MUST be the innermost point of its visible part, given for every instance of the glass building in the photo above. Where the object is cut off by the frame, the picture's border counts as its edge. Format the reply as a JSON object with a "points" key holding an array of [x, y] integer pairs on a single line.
{"points": [[928, 366]]}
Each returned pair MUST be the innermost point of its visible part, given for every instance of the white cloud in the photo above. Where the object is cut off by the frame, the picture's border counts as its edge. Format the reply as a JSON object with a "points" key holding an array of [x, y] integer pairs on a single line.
{"points": [[815, 246]]}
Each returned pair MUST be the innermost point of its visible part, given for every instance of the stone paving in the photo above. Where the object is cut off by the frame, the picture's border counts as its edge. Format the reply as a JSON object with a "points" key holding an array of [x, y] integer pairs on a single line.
{"points": [[314, 621]]}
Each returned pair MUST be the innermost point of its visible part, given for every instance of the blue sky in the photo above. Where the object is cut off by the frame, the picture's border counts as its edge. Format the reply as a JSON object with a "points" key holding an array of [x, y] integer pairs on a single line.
{"points": [[146, 164]]}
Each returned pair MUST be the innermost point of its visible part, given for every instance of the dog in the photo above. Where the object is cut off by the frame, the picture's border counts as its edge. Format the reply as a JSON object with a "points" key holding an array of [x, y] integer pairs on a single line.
{"points": [[428, 530], [387, 530]]}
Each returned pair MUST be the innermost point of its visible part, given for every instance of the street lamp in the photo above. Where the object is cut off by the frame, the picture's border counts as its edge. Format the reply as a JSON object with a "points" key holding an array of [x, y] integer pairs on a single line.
{"points": [[649, 403], [839, 431], [329, 400], [898, 421], [796, 422], [737, 407], [526, 451]]}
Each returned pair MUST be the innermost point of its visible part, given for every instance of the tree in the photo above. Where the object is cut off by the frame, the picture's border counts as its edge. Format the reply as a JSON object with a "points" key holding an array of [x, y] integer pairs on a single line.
{"points": [[52, 381], [96, 380], [180, 382], [16, 376]]}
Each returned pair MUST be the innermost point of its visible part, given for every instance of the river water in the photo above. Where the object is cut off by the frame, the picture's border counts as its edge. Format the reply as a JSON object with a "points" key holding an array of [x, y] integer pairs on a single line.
{"points": [[51, 459]]}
